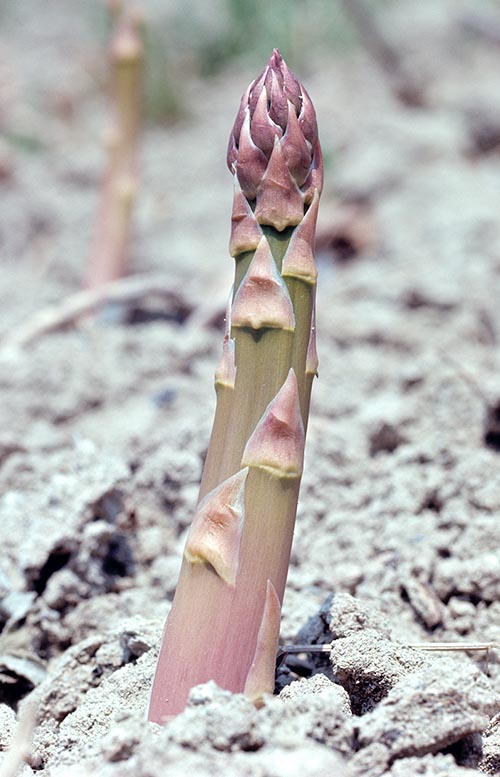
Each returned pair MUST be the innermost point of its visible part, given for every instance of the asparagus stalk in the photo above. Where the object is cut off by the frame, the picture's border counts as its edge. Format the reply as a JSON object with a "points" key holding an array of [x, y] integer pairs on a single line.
{"points": [[109, 257], [224, 621]]}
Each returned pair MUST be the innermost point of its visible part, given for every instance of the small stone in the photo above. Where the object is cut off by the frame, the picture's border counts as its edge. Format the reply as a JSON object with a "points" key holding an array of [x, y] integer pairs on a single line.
{"points": [[371, 761], [369, 666], [317, 684], [430, 766], [430, 709], [490, 761], [349, 615], [476, 576]]}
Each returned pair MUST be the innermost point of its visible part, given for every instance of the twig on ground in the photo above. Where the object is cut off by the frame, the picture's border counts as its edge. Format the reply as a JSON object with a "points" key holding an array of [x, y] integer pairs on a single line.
{"points": [[445, 646], [430, 646], [72, 308]]}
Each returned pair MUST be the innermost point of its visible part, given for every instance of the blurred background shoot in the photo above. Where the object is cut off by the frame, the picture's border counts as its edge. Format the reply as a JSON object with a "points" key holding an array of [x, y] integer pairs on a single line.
{"points": [[193, 40]]}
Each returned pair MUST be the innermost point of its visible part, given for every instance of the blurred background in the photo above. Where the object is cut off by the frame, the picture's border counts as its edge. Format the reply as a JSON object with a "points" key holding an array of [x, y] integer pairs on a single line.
{"points": [[369, 66], [377, 71]]}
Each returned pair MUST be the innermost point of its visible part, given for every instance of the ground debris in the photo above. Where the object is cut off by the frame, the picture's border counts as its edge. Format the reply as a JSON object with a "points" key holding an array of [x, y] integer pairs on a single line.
{"points": [[430, 709]]}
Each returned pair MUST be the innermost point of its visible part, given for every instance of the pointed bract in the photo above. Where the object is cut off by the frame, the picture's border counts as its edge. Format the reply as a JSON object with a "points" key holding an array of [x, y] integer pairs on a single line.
{"points": [[234, 138], [282, 86], [245, 230], [260, 678], [250, 162], [312, 361], [277, 442], [232, 154], [307, 119], [278, 101], [225, 372], [262, 127], [296, 149], [298, 261], [314, 180], [293, 89], [256, 88], [215, 534], [279, 201], [262, 300]]}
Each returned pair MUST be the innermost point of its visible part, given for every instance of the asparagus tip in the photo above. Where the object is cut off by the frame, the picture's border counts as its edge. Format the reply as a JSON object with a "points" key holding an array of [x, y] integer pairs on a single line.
{"points": [[273, 147]]}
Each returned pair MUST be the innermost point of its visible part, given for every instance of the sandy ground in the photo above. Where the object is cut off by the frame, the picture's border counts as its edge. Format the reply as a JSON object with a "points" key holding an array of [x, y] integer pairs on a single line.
{"points": [[104, 426]]}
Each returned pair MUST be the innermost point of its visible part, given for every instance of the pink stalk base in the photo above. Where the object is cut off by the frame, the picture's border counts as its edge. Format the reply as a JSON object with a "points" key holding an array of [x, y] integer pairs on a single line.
{"points": [[218, 643]]}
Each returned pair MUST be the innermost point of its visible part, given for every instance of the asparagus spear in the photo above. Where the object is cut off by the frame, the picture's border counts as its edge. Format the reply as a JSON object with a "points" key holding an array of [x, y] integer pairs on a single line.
{"points": [[224, 621], [109, 256]]}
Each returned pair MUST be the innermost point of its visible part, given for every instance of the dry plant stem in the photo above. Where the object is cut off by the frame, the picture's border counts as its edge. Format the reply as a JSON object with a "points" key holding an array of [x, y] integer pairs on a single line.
{"points": [[109, 257], [72, 308], [224, 621], [455, 646], [430, 646]]}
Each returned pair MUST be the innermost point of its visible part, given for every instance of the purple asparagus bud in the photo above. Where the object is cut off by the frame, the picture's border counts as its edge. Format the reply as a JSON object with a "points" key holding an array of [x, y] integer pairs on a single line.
{"points": [[274, 149]]}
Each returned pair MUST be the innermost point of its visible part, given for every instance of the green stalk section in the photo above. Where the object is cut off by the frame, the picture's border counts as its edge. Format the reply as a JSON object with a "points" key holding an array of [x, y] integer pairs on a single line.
{"points": [[224, 621]]}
